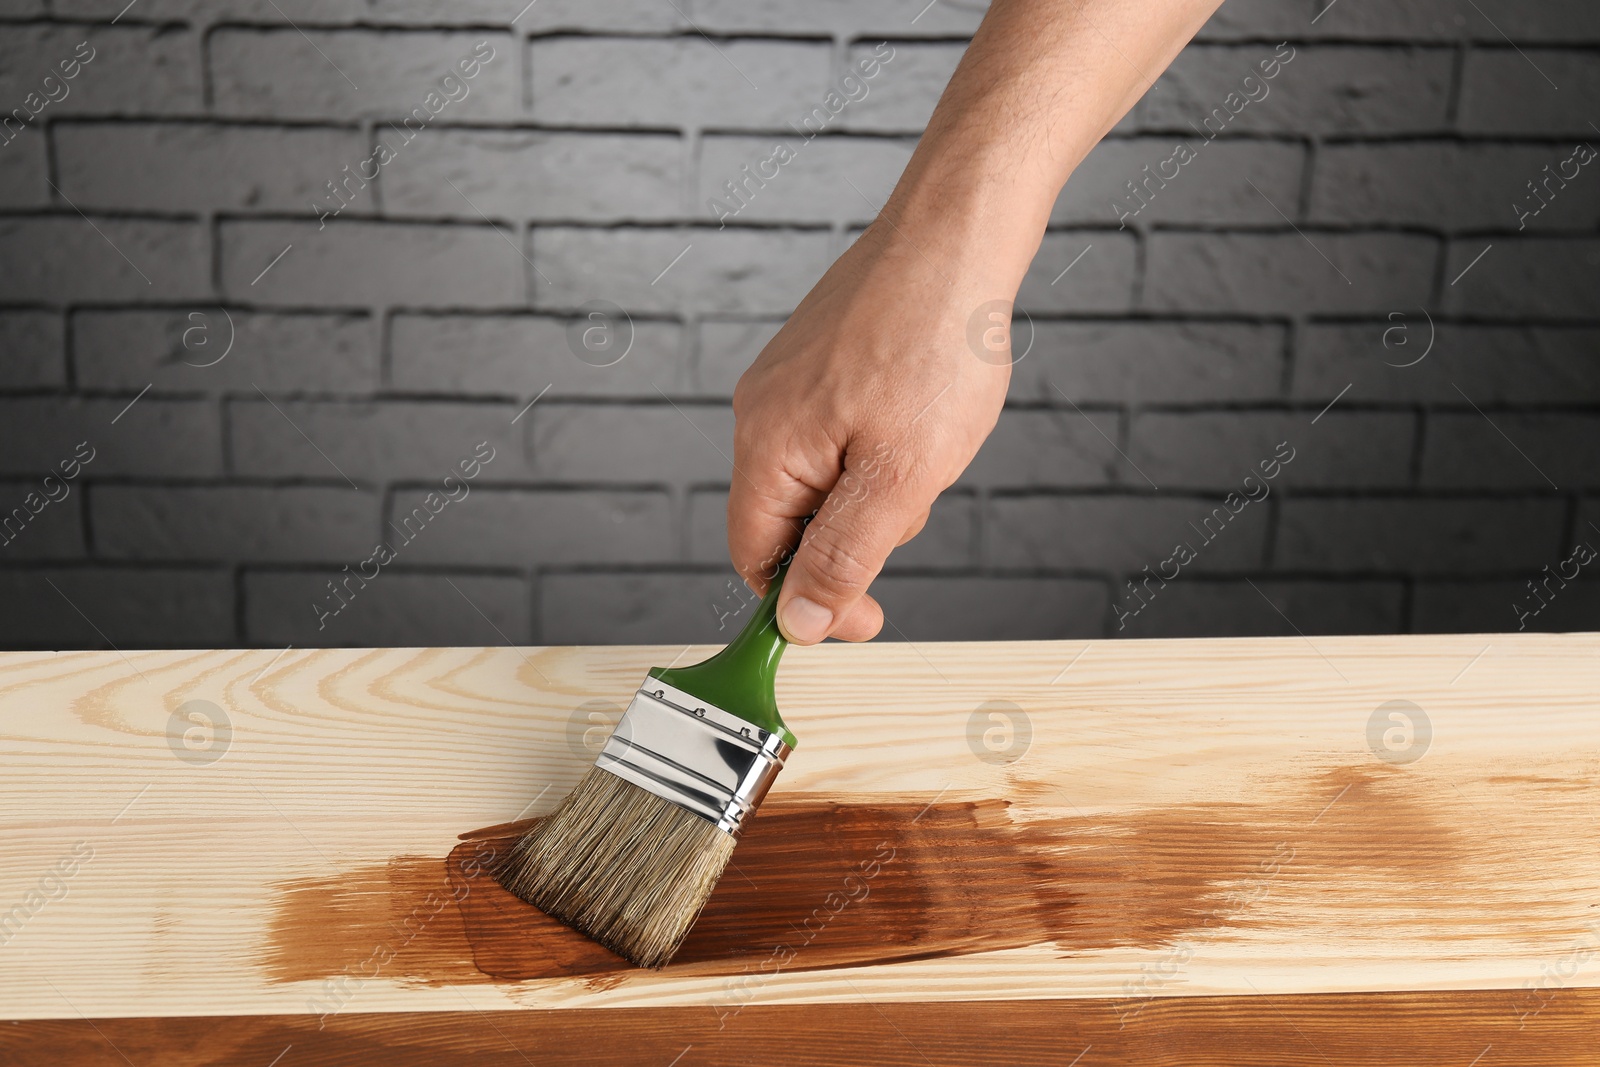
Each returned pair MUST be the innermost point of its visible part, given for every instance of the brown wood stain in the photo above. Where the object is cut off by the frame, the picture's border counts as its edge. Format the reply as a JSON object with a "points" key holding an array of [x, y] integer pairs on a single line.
{"points": [[821, 883]]}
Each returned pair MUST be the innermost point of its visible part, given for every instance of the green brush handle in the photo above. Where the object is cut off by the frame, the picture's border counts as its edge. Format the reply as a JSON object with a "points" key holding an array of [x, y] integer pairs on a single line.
{"points": [[740, 678]]}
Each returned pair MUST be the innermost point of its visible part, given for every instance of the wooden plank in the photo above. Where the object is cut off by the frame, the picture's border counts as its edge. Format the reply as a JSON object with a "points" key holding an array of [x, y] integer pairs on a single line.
{"points": [[1480, 1028], [1189, 818]]}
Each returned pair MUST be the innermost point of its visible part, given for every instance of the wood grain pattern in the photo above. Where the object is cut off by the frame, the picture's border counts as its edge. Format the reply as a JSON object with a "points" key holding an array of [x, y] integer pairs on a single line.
{"points": [[1191, 818]]}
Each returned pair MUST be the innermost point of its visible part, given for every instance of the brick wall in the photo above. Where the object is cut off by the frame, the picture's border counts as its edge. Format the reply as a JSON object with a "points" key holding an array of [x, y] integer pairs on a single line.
{"points": [[1355, 211]]}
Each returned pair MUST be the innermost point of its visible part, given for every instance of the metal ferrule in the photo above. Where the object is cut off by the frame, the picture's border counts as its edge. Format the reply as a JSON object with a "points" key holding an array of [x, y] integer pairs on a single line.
{"points": [[694, 755]]}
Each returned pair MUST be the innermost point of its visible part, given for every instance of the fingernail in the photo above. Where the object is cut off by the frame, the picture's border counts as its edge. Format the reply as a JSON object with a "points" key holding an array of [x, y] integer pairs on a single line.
{"points": [[805, 621]]}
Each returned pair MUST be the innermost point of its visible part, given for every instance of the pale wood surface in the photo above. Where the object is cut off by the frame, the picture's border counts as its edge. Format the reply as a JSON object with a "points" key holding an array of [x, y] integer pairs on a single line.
{"points": [[343, 758]]}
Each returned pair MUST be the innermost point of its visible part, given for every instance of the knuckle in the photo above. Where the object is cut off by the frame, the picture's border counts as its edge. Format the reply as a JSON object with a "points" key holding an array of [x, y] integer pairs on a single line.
{"points": [[834, 565]]}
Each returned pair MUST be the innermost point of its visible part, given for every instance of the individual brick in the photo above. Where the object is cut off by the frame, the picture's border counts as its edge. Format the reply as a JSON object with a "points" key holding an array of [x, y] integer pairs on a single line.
{"points": [[1423, 536], [1218, 449], [845, 19], [1120, 533], [373, 441], [1420, 20], [829, 179], [945, 542], [641, 607], [152, 438], [731, 271], [1487, 363], [105, 607], [343, 74], [22, 169], [1102, 280], [305, 12], [188, 350], [1322, 89], [949, 608], [522, 528], [1288, 273], [31, 341], [1529, 277], [1511, 450], [675, 82], [727, 349], [1148, 362], [678, 444], [1398, 184], [522, 355], [250, 524], [1213, 187], [1508, 605], [131, 70], [193, 168], [1529, 91], [1055, 448], [1257, 19], [60, 259], [355, 263], [1204, 607], [520, 174], [41, 519], [902, 95], [393, 609]]}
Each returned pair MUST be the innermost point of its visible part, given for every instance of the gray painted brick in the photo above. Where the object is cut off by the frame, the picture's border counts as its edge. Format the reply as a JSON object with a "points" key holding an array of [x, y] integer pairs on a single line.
{"points": [[233, 523], [946, 541], [1258, 18], [902, 96], [581, 14], [815, 186], [22, 170], [680, 81], [184, 350], [989, 609], [728, 271], [517, 174], [31, 341], [193, 168], [1060, 448], [1122, 533], [1399, 184], [1489, 21], [38, 522], [1417, 535], [521, 528], [1204, 607], [1213, 187], [1511, 450], [1101, 281], [1531, 277], [661, 443], [522, 355], [1284, 273], [1217, 450], [372, 441], [1490, 364], [1149, 362], [1508, 605], [843, 18], [637, 608], [284, 74], [134, 70], [727, 349], [1529, 91], [354, 263], [132, 609], [626, 16], [154, 437], [18, 8], [1323, 89], [61, 259], [392, 609]]}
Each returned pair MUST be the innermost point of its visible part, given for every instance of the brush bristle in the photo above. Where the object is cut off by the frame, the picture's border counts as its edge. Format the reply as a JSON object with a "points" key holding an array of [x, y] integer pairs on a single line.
{"points": [[621, 865]]}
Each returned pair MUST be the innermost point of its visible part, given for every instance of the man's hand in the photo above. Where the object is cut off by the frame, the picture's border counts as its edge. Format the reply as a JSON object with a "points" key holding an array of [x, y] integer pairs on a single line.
{"points": [[881, 387]]}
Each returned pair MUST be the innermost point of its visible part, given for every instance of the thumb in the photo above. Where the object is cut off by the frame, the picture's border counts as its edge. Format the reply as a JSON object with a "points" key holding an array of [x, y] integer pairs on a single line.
{"points": [[844, 547]]}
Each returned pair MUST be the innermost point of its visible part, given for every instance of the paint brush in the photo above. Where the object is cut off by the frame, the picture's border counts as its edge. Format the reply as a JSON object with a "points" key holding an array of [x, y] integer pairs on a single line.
{"points": [[631, 855]]}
